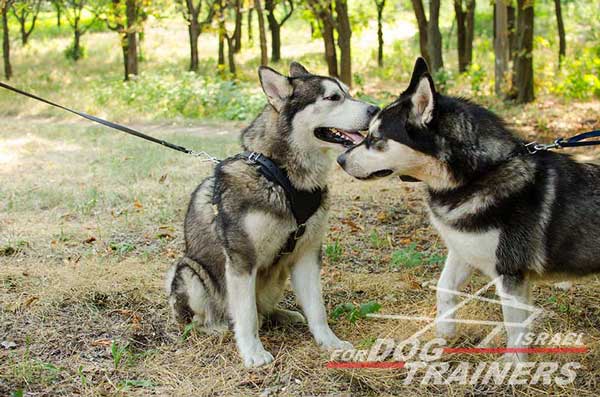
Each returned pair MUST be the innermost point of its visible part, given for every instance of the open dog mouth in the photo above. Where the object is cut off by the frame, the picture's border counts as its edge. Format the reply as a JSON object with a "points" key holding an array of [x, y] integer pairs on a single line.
{"points": [[339, 136], [377, 174]]}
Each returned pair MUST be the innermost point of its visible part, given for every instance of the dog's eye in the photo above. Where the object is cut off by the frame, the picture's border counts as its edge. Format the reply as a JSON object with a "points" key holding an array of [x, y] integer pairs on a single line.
{"points": [[334, 97]]}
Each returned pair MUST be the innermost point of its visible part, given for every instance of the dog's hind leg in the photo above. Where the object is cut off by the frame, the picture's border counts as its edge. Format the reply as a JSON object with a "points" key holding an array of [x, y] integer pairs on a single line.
{"points": [[455, 274], [190, 299], [515, 296]]}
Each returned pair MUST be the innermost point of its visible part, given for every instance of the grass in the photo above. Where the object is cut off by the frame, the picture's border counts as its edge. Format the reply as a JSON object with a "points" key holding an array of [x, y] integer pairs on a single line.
{"points": [[90, 220], [94, 223]]}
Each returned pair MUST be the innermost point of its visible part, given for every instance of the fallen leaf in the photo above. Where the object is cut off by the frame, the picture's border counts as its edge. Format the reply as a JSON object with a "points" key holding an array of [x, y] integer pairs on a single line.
{"points": [[30, 300], [353, 226], [89, 240], [163, 178], [137, 204], [102, 342]]}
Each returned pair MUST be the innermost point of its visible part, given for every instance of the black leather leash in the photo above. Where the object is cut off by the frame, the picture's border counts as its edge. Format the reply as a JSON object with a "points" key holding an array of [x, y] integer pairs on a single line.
{"points": [[115, 126], [560, 143], [303, 203]]}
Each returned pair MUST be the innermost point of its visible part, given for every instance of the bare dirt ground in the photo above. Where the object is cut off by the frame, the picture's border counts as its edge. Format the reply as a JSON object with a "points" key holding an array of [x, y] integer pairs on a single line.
{"points": [[90, 220]]}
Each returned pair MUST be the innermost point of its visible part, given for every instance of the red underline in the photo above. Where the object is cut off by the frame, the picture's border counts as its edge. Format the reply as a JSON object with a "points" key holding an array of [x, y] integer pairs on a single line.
{"points": [[366, 364], [501, 350]]}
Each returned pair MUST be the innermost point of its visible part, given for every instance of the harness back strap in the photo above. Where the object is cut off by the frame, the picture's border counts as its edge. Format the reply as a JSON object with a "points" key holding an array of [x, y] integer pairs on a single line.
{"points": [[303, 203]]}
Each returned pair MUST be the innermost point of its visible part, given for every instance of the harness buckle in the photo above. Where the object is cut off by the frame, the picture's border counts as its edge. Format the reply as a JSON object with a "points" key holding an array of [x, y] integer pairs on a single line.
{"points": [[254, 156]]}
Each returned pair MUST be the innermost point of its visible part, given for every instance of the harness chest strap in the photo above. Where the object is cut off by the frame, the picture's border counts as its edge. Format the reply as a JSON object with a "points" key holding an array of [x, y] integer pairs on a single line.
{"points": [[303, 203]]}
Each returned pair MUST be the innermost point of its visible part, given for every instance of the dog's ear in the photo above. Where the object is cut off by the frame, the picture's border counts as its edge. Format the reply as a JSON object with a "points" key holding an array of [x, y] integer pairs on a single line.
{"points": [[418, 71], [297, 70], [276, 86], [423, 100]]}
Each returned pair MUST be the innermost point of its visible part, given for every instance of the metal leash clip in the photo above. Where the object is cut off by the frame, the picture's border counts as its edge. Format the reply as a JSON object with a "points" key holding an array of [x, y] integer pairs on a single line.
{"points": [[534, 147]]}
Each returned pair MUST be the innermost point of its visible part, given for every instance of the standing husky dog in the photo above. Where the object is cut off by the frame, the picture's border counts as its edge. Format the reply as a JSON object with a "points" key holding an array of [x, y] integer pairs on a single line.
{"points": [[239, 224], [499, 209]]}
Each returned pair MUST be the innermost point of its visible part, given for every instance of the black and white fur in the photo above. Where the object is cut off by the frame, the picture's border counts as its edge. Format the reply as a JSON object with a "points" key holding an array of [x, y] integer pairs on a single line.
{"points": [[230, 272], [499, 209]]}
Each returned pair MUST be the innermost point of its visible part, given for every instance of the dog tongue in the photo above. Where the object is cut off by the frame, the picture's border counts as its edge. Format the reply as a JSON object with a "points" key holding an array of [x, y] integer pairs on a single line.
{"points": [[355, 137]]}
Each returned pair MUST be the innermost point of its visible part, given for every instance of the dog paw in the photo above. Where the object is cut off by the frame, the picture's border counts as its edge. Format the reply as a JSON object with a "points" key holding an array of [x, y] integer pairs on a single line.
{"points": [[257, 358], [445, 330], [281, 316], [335, 344]]}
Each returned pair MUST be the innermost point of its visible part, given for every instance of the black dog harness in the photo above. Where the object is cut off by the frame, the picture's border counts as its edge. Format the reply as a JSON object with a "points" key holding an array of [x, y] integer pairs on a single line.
{"points": [[303, 203]]}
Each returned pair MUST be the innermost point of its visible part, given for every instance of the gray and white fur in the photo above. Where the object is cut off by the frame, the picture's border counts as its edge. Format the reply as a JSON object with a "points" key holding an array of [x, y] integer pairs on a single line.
{"points": [[238, 221]]}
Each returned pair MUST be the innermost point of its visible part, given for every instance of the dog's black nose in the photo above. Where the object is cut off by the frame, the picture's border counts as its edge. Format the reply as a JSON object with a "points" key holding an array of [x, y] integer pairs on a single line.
{"points": [[342, 159], [372, 110]]}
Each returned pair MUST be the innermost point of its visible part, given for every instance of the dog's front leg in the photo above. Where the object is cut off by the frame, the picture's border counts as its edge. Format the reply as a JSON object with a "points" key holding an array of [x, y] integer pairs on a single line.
{"points": [[306, 281], [241, 299], [515, 294], [455, 274]]}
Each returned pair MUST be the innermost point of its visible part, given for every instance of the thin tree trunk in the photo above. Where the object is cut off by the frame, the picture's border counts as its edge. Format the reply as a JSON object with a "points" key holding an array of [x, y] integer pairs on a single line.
{"points": [[562, 49], [237, 33], [221, 58], [231, 54], [194, 33], [344, 41], [330, 51], [501, 47], [264, 56], [470, 32], [6, 42], [76, 43], [132, 45], [434, 36], [422, 23], [524, 55], [58, 15], [250, 35], [512, 36], [275, 31], [380, 6], [125, 55], [461, 35]]}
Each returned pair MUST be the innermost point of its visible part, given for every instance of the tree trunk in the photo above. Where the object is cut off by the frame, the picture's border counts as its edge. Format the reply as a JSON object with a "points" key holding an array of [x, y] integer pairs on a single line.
{"points": [[275, 31], [501, 47], [380, 5], [76, 43], [330, 51], [250, 36], [58, 15], [6, 42], [524, 55], [264, 56], [470, 32], [422, 23], [344, 41], [512, 37], [461, 35], [434, 36], [231, 54], [132, 45], [562, 49], [237, 33], [194, 32], [124, 51], [221, 58]]}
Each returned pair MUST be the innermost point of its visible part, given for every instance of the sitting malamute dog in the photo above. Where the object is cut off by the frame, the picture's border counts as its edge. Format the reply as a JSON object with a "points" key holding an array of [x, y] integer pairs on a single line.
{"points": [[243, 235], [499, 209]]}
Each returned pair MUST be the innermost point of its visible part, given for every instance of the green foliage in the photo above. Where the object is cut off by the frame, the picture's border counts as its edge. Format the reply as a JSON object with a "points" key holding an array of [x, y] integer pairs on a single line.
{"points": [[334, 251], [353, 313], [184, 94], [75, 54], [118, 352], [122, 247], [580, 75], [410, 257]]}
